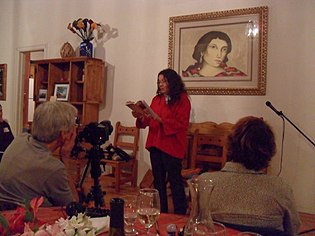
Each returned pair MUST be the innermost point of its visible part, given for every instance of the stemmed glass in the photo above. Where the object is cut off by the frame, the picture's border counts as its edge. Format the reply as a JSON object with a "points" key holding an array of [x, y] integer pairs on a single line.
{"points": [[148, 207], [130, 214]]}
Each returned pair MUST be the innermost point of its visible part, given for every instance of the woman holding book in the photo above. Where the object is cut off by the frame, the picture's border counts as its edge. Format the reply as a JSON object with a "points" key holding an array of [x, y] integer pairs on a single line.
{"points": [[166, 140]]}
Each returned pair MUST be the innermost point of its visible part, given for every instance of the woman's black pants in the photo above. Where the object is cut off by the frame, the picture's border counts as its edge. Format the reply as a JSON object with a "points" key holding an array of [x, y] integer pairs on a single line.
{"points": [[167, 168]]}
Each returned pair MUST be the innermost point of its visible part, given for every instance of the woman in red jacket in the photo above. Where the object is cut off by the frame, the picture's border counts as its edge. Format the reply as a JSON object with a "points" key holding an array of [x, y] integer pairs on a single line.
{"points": [[166, 140]]}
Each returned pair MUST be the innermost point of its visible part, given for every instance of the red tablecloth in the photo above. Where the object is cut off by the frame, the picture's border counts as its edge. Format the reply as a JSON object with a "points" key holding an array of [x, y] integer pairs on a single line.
{"points": [[51, 214]]}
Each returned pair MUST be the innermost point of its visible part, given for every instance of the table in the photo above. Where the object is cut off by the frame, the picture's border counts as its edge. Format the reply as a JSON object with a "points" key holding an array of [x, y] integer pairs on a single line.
{"points": [[51, 214]]}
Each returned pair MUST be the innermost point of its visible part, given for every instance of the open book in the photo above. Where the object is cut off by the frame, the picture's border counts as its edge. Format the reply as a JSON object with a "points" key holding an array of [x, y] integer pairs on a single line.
{"points": [[143, 108]]}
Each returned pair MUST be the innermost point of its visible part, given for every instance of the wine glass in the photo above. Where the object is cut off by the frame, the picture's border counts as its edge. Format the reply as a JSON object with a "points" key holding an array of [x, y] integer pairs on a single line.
{"points": [[199, 229], [130, 214], [148, 207]]}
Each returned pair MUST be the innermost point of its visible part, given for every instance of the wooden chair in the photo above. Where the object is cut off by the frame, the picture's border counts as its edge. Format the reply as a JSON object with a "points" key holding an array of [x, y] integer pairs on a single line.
{"points": [[122, 172], [209, 144]]}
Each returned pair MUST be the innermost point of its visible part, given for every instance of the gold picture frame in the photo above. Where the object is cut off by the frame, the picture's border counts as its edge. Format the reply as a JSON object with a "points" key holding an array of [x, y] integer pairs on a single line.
{"points": [[3, 81], [239, 38]]}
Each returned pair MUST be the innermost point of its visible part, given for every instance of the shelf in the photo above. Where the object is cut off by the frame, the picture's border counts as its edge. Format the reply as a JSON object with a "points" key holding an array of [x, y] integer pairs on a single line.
{"points": [[86, 79]]}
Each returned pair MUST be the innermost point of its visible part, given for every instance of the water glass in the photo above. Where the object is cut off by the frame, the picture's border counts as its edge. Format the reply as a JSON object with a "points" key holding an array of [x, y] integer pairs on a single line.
{"points": [[130, 214], [148, 207]]}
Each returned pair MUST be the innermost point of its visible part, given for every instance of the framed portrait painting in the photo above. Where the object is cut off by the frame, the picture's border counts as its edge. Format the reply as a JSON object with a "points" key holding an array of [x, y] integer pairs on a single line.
{"points": [[3, 81], [221, 53], [61, 92]]}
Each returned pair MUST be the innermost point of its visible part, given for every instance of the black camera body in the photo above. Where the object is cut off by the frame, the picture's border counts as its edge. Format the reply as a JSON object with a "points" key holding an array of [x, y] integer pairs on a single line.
{"points": [[96, 133], [93, 133]]}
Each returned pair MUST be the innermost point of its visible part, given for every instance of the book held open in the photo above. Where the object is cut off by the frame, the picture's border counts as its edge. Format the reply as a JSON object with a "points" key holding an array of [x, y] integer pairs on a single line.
{"points": [[143, 108]]}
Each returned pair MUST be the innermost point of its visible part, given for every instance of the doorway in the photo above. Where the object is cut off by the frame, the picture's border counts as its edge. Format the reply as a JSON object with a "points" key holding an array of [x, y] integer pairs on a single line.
{"points": [[25, 103]]}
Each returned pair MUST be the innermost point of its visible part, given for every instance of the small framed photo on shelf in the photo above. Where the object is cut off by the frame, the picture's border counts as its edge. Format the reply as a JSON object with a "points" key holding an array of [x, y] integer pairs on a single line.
{"points": [[61, 92], [42, 95]]}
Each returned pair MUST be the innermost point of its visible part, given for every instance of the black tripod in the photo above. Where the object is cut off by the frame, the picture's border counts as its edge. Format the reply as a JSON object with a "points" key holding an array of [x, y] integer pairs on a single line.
{"points": [[94, 156]]}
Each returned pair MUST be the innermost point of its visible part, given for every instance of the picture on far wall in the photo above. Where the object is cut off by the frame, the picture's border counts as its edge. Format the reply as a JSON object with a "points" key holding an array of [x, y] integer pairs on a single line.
{"points": [[42, 97], [61, 92], [221, 53], [3, 81]]}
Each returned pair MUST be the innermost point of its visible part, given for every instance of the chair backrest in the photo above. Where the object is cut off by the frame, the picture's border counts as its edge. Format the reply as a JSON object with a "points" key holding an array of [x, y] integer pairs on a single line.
{"points": [[209, 142], [210, 127], [127, 138]]}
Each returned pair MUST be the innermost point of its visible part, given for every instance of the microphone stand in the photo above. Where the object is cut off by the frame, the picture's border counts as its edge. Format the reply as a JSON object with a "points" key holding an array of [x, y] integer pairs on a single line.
{"points": [[305, 136], [280, 113]]}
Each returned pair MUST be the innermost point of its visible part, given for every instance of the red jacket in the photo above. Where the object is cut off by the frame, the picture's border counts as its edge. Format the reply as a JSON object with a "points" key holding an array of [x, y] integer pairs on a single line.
{"points": [[170, 136]]}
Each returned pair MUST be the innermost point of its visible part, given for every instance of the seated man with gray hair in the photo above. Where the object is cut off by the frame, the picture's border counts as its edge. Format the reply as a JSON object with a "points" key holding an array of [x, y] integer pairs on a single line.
{"points": [[28, 168]]}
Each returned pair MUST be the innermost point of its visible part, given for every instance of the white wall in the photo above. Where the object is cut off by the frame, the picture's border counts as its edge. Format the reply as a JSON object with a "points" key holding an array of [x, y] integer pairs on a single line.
{"points": [[141, 50]]}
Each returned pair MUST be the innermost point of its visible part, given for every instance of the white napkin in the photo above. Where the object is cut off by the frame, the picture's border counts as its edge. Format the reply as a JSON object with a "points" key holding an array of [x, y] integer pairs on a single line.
{"points": [[101, 224]]}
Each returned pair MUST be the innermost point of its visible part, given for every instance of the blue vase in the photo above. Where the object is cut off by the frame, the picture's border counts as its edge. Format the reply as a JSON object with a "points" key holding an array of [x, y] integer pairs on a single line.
{"points": [[86, 49]]}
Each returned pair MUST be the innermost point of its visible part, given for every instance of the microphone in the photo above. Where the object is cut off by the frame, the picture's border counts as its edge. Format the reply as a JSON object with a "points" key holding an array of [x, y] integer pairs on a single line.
{"points": [[268, 104]]}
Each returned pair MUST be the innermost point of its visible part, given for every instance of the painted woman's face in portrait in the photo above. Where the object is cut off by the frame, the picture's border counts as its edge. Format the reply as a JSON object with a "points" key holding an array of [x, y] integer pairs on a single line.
{"points": [[163, 85], [215, 52]]}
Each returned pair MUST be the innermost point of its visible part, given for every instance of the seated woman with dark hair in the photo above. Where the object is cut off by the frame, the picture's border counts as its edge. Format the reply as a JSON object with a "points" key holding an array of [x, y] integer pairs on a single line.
{"points": [[244, 196]]}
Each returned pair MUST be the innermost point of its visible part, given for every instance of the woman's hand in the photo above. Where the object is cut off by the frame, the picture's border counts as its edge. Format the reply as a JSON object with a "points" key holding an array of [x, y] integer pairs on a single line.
{"points": [[136, 114]]}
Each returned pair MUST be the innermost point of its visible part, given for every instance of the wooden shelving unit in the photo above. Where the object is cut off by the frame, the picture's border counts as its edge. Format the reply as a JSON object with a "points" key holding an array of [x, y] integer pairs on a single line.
{"points": [[85, 77]]}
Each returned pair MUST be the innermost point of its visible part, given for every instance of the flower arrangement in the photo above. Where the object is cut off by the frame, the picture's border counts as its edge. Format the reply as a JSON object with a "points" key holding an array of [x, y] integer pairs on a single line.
{"points": [[83, 28], [24, 222], [22, 217], [75, 226]]}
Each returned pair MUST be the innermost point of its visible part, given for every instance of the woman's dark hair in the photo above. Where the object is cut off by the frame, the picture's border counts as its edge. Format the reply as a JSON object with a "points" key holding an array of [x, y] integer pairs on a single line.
{"points": [[251, 143], [175, 84], [204, 41]]}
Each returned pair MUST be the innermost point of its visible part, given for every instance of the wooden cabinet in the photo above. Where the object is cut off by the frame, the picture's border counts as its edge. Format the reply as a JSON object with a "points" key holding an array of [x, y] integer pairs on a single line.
{"points": [[81, 80]]}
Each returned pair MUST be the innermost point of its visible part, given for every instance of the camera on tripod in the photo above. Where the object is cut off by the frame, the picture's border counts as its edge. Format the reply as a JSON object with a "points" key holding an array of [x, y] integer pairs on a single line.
{"points": [[95, 134]]}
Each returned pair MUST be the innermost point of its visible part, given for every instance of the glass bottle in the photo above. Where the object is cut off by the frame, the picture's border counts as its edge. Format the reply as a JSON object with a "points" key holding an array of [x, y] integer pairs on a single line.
{"points": [[116, 223], [200, 192]]}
